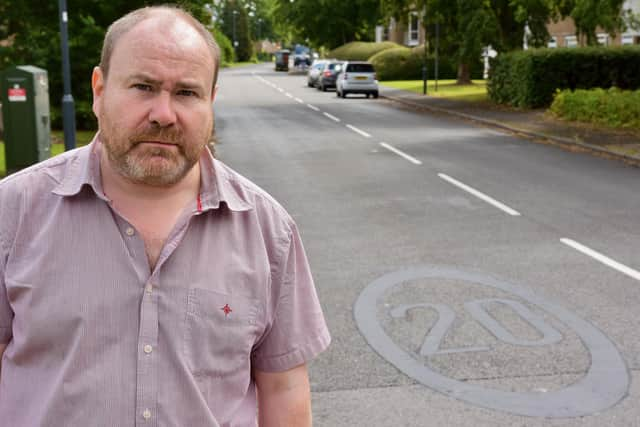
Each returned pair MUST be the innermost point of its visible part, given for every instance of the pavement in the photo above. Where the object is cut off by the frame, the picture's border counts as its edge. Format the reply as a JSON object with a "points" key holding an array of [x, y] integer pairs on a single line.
{"points": [[623, 145]]}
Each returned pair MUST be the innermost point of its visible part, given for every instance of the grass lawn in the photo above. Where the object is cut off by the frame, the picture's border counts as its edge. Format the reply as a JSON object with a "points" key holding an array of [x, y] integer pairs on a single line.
{"points": [[83, 137], [477, 91]]}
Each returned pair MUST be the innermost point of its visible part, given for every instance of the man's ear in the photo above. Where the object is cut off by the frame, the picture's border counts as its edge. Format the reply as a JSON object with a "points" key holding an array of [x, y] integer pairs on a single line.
{"points": [[97, 86]]}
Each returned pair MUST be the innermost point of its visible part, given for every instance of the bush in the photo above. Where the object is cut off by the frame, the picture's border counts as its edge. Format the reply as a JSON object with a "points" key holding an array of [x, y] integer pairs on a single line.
{"points": [[403, 63], [360, 51], [531, 78], [611, 107], [226, 47]]}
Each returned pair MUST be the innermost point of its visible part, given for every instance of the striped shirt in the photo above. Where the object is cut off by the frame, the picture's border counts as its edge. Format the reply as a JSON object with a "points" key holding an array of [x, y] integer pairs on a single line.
{"points": [[95, 338]]}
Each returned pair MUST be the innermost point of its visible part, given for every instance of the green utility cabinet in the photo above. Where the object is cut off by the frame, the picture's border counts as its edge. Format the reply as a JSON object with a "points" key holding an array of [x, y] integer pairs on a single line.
{"points": [[26, 117]]}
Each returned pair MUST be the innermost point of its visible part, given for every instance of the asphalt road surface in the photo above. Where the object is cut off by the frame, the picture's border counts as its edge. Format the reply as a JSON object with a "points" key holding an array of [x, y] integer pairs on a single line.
{"points": [[468, 277]]}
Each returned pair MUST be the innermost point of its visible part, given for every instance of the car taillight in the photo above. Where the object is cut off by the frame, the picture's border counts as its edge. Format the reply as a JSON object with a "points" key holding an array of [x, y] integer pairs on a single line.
{"points": [[327, 73]]}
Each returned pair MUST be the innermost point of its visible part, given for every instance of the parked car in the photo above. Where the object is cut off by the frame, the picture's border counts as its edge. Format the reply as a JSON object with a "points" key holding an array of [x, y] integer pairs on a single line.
{"points": [[357, 77], [328, 75], [314, 72]]}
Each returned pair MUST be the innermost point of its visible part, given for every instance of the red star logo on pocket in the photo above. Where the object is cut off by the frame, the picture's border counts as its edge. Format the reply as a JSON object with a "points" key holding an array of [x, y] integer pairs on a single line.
{"points": [[226, 310]]}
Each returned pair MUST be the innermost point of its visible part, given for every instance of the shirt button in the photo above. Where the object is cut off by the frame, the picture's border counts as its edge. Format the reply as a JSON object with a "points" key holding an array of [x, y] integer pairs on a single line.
{"points": [[148, 288], [130, 231], [146, 414], [148, 349]]}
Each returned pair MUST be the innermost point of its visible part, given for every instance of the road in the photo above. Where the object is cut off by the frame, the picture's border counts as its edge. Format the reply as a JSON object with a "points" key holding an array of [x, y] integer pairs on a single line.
{"points": [[468, 277]]}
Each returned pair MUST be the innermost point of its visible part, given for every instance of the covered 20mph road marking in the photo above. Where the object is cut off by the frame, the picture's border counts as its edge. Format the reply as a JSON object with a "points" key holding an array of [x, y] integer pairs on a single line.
{"points": [[480, 195], [635, 274]]}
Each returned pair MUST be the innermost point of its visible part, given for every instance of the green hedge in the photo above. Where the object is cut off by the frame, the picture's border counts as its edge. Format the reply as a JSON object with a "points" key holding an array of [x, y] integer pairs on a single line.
{"points": [[530, 78], [403, 63], [610, 107], [360, 51]]}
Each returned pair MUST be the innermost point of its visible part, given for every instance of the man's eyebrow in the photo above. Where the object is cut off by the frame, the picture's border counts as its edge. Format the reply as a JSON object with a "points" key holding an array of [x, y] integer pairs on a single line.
{"points": [[145, 78]]}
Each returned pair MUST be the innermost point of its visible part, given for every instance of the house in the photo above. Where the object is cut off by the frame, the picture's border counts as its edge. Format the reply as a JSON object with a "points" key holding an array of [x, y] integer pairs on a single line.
{"points": [[409, 32]]}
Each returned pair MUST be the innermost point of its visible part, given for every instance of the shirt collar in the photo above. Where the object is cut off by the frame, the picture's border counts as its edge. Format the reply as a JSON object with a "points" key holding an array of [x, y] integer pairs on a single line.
{"points": [[215, 179]]}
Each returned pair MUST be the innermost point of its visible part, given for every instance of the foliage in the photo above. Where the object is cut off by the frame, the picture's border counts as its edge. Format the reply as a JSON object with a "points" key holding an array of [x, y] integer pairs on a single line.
{"points": [[610, 107], [403, 63], [360, 51], [234, 23], [226, 47], [34, 30], [328, 23], [588, 15], [530, 78]]}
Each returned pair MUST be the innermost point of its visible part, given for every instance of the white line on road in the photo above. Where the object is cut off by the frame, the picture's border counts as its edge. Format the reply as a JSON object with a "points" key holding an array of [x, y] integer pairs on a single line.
{"points": [[602, 258], [280, 89], [313, 107], [334, 118], [361, 132], [288, 95], [480, 195], [401, 154], [299, 100]]}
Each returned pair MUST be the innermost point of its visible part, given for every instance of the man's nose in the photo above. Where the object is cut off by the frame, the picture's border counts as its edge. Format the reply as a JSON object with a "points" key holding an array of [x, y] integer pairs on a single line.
{"points": [[162, 112]]}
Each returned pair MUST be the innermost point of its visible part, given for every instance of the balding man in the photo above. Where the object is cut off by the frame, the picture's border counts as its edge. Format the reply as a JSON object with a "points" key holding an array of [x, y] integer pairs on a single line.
{"points": [[143, 282]]}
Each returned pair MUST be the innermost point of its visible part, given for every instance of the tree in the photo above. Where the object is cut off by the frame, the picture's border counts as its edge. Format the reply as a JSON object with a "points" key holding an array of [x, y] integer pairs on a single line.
{"points": [[327, 23], [588, 15], [234, 24]]}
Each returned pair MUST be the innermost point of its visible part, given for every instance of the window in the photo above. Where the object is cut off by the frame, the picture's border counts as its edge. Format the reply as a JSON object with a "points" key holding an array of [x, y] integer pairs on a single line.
{"points": [[414, 29], [571, 41], [627, 39], [553, 42]]}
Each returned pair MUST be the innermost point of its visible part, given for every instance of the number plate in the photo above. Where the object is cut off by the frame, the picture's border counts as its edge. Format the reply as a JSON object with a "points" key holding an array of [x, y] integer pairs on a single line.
{"points": [[361, 77]]}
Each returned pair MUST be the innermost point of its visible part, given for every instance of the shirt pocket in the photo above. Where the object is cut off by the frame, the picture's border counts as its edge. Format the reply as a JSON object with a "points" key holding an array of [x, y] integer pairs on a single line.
{"points": [[220, 332]]}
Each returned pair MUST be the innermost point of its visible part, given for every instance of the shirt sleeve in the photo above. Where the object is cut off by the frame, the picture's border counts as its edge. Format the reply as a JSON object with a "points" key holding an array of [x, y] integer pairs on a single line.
{"points": [[298, 331], [6, 314]]}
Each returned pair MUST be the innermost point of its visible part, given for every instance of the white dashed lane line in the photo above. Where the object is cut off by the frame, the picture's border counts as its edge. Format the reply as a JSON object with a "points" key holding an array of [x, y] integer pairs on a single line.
{"points": [[401, 153], [361, 132], [299, 101], [480, 195], [334, 118], [635, 274], [313, 107]]}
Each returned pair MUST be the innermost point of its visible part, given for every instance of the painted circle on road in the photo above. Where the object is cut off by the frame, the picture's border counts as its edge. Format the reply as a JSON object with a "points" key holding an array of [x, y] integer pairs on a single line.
{"points": [[604, 384]]}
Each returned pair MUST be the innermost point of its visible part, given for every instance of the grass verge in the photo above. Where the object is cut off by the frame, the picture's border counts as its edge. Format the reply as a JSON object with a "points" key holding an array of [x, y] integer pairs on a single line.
{"points": [[475, 92]]}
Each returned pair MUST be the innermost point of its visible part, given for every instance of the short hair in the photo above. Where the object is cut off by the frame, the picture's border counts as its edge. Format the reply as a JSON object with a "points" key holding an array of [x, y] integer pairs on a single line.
{"points": [[123, 25]]}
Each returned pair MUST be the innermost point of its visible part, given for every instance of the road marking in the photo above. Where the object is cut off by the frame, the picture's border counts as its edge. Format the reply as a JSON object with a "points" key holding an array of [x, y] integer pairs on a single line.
{"points": [[313, 107], [280, 89], [361, 132], [334, 118], [401, 154], [288, 95], [299, 100], [480, 195], [635, 274]]}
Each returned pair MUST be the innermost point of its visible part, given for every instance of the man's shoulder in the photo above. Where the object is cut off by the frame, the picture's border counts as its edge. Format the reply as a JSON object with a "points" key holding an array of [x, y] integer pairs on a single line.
{"points": [[240, 191], [43, 176]]}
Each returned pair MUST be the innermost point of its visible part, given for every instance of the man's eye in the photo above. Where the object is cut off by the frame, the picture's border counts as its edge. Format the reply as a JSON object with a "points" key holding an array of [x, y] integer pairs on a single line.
{"points": [[187, 92], [142, 86]]}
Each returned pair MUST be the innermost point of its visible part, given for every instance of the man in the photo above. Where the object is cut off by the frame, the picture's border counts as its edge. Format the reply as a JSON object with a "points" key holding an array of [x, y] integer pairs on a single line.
{"points": [[142, 282]]}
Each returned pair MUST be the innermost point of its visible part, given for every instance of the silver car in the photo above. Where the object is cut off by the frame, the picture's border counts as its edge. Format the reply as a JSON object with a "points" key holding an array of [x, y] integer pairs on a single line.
{"points": [[357, 77], [314, 72]]}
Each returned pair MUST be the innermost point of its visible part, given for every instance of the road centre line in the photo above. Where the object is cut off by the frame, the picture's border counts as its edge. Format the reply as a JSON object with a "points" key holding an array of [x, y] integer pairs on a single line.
{"points": [[313, 107], [334, 118], [635, 274], [288, 95], [401, 153], [299, 100], [361, 132], [280, 89], [480, 195]]}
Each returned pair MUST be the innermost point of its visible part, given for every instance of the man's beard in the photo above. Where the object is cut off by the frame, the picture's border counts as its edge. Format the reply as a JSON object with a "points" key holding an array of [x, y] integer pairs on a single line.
{"points": [[151, 165]]}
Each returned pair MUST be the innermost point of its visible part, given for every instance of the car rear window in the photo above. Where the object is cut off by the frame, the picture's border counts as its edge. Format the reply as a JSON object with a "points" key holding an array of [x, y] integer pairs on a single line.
{"points": [[360, 68]]}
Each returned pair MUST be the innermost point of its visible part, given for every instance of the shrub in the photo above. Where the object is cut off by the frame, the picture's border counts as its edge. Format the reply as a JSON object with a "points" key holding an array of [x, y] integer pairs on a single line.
{"points": [[360, 51], [530, 78], [226, 47], [403, 63], [610, 107]]}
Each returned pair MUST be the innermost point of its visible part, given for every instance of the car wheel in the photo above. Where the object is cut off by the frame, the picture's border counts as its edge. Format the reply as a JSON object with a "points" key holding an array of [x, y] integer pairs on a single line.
{"points": [[309, 83], [343, 94], [375, 95], [323, 88], [337, 93]]}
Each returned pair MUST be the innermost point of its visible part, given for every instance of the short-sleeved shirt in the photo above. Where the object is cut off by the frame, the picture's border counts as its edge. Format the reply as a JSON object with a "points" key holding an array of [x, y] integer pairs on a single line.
{"points": [[97, 338]]}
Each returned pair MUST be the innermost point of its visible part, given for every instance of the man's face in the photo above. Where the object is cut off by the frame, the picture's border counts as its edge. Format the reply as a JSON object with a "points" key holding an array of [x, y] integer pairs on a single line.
{"points": [[154, 107]]}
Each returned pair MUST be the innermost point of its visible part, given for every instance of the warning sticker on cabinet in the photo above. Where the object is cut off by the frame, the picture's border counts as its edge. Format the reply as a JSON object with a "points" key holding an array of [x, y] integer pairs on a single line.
{"points": [[18, 94]]}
